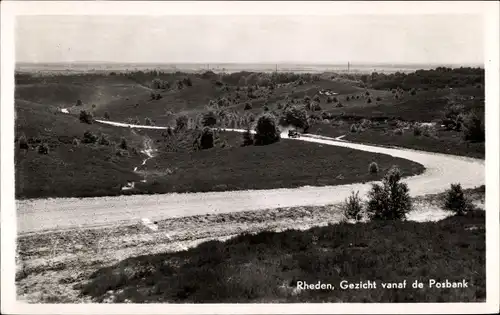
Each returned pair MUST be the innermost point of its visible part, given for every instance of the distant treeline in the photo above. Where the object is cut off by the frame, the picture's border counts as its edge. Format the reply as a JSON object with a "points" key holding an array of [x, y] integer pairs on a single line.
{"points": [[440, 77]]}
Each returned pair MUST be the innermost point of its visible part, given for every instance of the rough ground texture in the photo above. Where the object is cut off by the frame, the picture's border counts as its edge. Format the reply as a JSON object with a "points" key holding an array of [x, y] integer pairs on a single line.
{"points": [[109, 264]]}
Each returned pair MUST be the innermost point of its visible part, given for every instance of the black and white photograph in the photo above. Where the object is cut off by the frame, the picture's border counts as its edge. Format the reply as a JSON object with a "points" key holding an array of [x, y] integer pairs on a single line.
{"points": [[248, 157]]}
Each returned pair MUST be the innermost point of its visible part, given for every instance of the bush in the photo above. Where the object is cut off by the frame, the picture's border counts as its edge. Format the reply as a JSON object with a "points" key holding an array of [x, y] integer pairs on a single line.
{"points": [[209, 119], [86, 117], [23, 143], [266, 131], [369, 100], [378, 99], [187, 81], [335, 99], [248, 106], [266, 108], [106, 115], [398, 132], [123, 144], [76, 142], [367, 93], [103, 140], [340, 105], [455, 200], [43, 148], [316, 98], [206, 140], [347, 98], [329, 99], [295, 116], [373, 168], [181, 122], [79, 103], [315, 107], [474, 127], [352, 207], [417, 131], [353, 128], [247, 138], [89, 137], [391, 200], [148, 122]]}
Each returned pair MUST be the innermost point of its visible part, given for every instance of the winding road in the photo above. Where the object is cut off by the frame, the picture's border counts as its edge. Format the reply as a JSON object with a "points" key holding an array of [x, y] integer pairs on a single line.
{"points": [[37, 215]]}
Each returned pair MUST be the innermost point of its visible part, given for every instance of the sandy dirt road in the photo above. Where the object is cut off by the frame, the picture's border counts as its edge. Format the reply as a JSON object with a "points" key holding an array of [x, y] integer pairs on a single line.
{"points": [[39, 215]]}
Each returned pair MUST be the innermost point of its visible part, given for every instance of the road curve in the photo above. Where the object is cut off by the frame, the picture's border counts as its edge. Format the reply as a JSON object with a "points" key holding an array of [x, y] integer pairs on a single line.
{"points": [[37, 215]]}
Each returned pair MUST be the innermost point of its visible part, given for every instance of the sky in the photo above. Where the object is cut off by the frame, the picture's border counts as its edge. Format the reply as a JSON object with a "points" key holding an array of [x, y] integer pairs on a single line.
{"points": [[393, 39]]}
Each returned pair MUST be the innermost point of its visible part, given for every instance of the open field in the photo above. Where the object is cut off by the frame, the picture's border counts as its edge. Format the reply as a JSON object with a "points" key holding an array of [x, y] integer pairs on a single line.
{"points": [[109, 265]]}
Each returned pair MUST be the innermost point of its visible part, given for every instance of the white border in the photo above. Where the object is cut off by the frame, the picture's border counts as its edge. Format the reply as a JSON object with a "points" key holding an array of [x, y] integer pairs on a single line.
{"points": [[8, 232]]}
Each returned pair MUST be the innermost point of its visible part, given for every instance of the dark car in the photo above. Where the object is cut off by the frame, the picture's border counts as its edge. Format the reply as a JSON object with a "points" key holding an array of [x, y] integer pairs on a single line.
{"points": [[293, 134]]}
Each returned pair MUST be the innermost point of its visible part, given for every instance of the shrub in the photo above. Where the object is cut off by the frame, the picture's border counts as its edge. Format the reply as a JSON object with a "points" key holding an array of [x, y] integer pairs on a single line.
{"points": [[79, 103], [247, 138], [335, 99], [266, 131], [209, 119], [280, 106], [187, 81], [266, 108], [295, 116], [23, 143], [347, 98], [86, 117], [369, 100], [417, 131], [206, 140], [367, 93], [357, 97], [455, 200], [89, 137], [352, 207], [181, 122], [316, 98], [315, 107], [103, 140], [248, 106], [329, 99], [106, 115], [353, 128], [378, 99], [148, 122], [123, 144], [391, 200], [307, 99], [94, 106], [340, 105], [474, 127], [43, 148], [76, 142], [373, 168], [398, 131]]}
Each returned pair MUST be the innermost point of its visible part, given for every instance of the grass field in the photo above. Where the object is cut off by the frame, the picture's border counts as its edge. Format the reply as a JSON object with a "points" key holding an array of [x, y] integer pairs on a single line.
{"points": [[284, 164]]}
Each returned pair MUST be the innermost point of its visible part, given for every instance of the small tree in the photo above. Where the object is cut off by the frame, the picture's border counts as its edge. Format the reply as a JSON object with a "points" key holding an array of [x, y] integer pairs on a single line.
{"points": [[373, 168], [86, 117], [369, 100], [316, 98], [455, 200], [391, 200], [106, 115], [206, 140], [474, 127], [76, 142], [89, 137], [123, 144], [148, 122], [266, 131], [352, 207], [43, 148], [247, 138], [181, 122], [23, 143], [295, 116], [353, 128], [209, 119], [79, 103], [248, 106]]}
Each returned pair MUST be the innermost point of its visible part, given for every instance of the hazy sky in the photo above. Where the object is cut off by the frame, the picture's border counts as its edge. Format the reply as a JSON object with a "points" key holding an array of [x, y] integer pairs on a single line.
{"points": [[442, 39]]}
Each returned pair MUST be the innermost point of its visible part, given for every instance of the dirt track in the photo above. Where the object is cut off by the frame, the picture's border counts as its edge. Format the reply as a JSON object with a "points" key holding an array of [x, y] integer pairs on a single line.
{"points": [[66, 213]]}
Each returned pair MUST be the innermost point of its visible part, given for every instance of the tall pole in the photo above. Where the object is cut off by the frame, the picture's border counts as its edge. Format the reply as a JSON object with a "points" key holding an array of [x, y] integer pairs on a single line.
{"points": [[348, 66]]}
